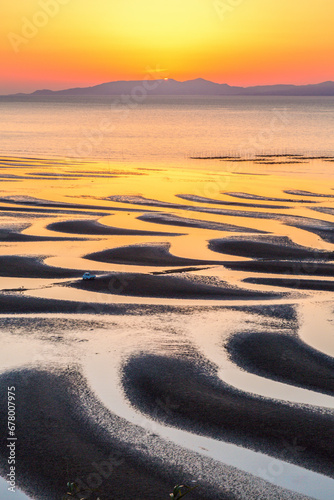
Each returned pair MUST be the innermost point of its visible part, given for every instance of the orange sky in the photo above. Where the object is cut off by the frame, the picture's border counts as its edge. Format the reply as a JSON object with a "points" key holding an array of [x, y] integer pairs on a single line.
{"points": [[63, 43]]}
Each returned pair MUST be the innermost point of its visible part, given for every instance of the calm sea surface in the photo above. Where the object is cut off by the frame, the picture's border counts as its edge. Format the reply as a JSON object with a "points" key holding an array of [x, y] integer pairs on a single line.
{"points": [[165, 128]]}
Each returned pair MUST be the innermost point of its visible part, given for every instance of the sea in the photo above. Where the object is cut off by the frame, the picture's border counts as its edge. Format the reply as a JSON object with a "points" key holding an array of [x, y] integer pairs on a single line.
{"points": [[165, 129]]}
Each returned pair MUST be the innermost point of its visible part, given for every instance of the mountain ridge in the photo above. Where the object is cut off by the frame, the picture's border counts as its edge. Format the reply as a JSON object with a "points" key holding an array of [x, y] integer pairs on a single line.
{"points": [[197, 86]]}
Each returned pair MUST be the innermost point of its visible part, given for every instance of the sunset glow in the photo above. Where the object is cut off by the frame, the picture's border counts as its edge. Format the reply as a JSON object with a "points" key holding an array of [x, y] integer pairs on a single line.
{"points": [[61, 43]]}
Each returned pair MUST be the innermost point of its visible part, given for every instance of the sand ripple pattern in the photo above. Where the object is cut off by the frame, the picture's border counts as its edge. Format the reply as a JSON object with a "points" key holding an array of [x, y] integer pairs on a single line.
{"points": [[207, 282]]}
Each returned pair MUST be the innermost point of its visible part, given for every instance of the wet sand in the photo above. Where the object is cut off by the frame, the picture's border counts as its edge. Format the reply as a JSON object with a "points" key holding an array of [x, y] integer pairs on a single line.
{"points": [[166, 362]]}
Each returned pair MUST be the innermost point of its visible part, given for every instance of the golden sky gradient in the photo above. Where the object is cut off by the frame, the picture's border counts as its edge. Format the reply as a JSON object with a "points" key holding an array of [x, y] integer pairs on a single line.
{"points": [[61, 43]]}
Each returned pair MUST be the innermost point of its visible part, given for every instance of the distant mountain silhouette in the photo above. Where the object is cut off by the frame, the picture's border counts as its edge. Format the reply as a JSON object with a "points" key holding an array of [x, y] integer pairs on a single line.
{"points": [[198, 86]]}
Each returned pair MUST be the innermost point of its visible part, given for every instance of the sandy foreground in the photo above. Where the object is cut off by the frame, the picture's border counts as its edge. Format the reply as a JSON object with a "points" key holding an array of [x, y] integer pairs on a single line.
{"points": [[202, 352]]}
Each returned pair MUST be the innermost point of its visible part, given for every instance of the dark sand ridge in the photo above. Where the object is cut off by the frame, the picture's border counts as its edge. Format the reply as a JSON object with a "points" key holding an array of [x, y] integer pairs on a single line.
{"points": [[298, 192], [325, 234], [322, 228], [69, 175], [249, 173], [264, 156], [156, 254], [13, 303], [205, 405], [123, 460], [202, 199], [47, 161], [296, 156], [36, 202], [228, 157], [283, 312], [237, 157], [324, 210], [24, 166], [279, 155], [296, 283], [17, 303], [15, 166], [49, 175], [13, 176], [25, 162], [253, 160], [18, 179], [116, 172], [317, 226], [280, 162], [165, 286], [283, 357], [265, 159], [141, 200], [94, 228], [28, 216], [292, 267], [12, 236], [54, 328], [248, 196], [296, 161], [267, 247], [13, 266], [175, 220], [51, 211]]}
